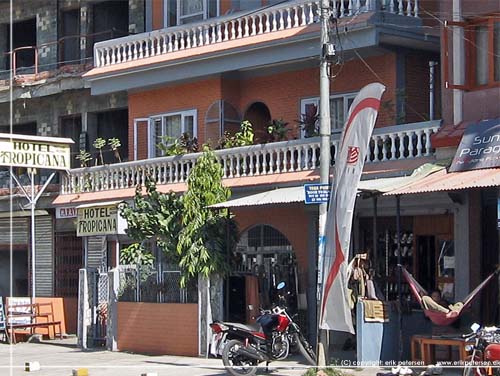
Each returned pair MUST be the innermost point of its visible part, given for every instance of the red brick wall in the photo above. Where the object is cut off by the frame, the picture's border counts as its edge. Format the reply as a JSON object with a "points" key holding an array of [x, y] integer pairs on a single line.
{"points": [[197, 95], [281, 93], [417, 88], [158, 328], [290, 220]]}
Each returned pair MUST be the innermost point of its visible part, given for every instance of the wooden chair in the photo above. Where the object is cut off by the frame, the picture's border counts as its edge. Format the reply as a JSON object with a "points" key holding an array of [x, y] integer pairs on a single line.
{"points": [[3, 322]]}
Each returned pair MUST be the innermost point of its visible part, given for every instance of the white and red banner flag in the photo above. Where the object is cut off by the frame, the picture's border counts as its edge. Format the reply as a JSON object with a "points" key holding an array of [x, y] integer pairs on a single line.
{"points": [[349, 162]]}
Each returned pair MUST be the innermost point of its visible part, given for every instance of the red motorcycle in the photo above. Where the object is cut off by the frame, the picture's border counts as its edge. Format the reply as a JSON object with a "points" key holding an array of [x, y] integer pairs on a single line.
{"points": [[244, 347], [484, 359]]}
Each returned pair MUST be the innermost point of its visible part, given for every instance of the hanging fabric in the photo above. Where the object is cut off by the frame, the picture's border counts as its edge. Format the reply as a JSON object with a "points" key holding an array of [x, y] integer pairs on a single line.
{"points": [[444, 318]]}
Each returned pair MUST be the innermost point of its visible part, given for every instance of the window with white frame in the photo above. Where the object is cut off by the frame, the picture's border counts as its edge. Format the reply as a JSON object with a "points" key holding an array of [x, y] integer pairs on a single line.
{"points": [[167, 128], [339, 107], [179, 12]]}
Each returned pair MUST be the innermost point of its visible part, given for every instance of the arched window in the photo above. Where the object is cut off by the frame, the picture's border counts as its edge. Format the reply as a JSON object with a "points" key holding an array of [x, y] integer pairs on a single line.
{"points": [[221, 117]]}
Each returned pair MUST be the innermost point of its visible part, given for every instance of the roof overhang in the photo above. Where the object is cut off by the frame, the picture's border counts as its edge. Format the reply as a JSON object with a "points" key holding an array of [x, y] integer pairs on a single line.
{"points": [[296, 194], [444, 181]]}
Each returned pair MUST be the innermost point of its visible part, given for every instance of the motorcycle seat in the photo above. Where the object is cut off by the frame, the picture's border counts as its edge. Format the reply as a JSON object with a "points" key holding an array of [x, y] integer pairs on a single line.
{"points": [[249, 327]]}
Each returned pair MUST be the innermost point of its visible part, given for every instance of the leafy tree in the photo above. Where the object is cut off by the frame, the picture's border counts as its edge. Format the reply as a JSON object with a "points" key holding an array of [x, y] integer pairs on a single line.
{"points": [[155, 216], [187, 231], [203, 240], [136, 254]]}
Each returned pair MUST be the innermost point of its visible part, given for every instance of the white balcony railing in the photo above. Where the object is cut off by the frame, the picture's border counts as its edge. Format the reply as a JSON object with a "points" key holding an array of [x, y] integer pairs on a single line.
{"points": [[240, 25], [387, 144]]}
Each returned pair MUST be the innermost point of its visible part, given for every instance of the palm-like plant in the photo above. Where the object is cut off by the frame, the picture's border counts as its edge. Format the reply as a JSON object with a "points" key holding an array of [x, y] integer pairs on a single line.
{"points": [[99, 143], [115, 144]]}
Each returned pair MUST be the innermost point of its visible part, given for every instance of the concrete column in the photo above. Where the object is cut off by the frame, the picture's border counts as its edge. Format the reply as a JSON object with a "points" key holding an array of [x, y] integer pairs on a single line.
{"points": [[112, 319], [203, 310], [84, 313]]}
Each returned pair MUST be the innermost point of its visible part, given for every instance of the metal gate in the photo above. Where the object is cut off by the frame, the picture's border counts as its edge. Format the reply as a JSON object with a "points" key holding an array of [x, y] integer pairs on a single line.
{"points": [[98, 301]]}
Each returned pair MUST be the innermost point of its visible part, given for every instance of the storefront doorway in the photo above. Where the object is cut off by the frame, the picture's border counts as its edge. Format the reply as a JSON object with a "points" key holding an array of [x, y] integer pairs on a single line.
{"points": [[264, 257]]}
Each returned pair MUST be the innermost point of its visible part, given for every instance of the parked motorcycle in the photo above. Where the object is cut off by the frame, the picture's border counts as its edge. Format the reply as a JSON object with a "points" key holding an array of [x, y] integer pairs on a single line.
{"points": [[244, 347], [484, 359]]}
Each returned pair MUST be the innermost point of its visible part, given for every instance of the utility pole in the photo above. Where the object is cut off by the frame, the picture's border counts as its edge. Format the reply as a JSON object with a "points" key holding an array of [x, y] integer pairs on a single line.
{"points": [[325, 132]]}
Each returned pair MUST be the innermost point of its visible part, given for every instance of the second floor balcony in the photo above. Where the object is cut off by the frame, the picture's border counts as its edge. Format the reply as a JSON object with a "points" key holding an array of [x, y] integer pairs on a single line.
{"points": [[395, 143], [280, 34]]}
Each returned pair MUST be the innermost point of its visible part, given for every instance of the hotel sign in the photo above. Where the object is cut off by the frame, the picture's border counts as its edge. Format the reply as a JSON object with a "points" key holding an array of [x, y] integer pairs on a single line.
{"points": [[100, 220], [479, 147], [35, 152], [65, 212]]}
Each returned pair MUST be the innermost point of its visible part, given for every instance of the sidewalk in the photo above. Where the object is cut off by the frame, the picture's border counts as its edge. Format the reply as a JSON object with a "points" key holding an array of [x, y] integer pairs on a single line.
{"points": [[59, 358]]}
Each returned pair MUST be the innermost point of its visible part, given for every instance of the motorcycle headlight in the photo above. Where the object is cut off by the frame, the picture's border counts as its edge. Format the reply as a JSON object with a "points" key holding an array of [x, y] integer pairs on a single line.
{"points": [[469, 348]]}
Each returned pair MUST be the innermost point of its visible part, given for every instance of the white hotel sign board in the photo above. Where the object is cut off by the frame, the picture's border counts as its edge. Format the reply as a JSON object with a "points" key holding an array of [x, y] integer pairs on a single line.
{"points": [[36, 152], [100, 219]]}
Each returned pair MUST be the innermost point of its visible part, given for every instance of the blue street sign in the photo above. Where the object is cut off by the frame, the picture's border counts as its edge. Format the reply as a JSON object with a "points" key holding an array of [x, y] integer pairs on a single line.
{"points": [[316, 193]]}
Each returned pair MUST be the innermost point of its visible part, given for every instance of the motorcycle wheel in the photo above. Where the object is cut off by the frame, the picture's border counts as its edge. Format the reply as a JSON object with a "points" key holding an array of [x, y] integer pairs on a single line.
{"points": [[306, 349], [236, 364]]}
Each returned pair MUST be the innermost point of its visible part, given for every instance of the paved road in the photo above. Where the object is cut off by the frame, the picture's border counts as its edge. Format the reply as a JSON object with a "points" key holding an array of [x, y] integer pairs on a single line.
{"points": [[59, 358]]}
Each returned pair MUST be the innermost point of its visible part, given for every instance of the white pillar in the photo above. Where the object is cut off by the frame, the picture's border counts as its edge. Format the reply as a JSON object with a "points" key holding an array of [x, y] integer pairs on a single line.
{"points": [[112, 319], [84, 314]]}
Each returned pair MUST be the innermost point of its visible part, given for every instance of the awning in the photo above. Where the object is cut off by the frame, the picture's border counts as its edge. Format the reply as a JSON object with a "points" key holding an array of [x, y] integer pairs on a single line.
{"points": [[296, 194], [450, 181], [97, 204], [383, 185], [275, 196]]}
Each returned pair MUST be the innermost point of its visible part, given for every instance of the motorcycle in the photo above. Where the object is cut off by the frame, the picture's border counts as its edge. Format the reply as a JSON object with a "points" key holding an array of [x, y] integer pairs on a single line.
{"points": [[244, 347], [484, 359]]}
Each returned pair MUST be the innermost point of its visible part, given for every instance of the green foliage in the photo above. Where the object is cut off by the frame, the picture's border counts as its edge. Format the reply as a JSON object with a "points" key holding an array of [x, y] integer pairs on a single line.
{"points": [[182, 145], [155, 216], [309, 121], [135, 254], [244, 137], [188, 232], [99, 143], [329, 371], [115, 144], [202, 242], [84, 157], [278, 130]]}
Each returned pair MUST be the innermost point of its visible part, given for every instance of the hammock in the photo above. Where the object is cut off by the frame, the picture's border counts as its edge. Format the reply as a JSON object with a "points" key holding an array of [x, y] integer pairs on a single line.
{"points": [[442, 318]]}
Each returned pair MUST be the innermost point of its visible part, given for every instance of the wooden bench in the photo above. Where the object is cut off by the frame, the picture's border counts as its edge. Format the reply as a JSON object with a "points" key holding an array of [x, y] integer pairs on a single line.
{"points": [[38, 318], [427, 347]]}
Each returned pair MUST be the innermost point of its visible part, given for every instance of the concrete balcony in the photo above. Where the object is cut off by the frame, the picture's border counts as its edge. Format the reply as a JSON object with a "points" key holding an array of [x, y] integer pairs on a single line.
{"points": [[282, 35], [290, 15], [407, 141]]}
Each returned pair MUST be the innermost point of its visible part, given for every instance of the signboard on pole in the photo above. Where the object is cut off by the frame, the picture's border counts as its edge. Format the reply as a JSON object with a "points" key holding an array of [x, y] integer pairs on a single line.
{"points": [[479, 147], [100, 219], [35, 152], [316, 193]]}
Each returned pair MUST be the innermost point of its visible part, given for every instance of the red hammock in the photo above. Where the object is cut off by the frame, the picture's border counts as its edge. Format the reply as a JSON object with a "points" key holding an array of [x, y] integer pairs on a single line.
{"points": [[441, 318]]}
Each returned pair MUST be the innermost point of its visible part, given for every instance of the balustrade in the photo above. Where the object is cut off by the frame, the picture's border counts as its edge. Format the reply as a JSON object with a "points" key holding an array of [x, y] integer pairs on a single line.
{"points": [[387, 144], [235, 26]]}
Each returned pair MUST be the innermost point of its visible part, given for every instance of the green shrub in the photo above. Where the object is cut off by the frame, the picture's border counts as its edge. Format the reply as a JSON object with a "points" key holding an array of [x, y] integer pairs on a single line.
{"points": [[323, 371]]}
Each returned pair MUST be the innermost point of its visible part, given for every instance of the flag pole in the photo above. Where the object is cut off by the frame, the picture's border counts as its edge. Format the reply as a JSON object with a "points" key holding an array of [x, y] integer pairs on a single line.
{"points": [[325, 132]]}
